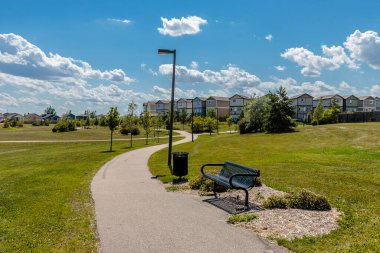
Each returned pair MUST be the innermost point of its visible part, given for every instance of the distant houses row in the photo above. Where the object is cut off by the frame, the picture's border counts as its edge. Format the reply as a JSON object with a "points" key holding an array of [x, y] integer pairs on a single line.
{"points": [[233, 106], [222, 106], [33, 117]]}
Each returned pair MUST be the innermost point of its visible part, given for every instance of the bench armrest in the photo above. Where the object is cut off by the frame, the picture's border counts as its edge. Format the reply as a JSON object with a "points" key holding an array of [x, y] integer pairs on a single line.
{"points": [[210, 164], [240, 175]]}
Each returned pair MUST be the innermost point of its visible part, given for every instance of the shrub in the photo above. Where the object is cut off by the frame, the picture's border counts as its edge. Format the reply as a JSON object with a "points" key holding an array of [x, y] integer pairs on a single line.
{"points": [[308, 201], [45, 123], [6, 124], [205, 185], [36, 123], [135, 131], [64, 126], [241, 218], [275, 201]]}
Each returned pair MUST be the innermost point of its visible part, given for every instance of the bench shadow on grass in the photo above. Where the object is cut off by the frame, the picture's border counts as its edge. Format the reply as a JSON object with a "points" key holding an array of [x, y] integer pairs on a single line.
{"points": [[108, 151]]}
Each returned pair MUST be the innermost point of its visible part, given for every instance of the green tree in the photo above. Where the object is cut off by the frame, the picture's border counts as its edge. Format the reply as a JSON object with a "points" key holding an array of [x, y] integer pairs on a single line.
{"points": [[229, 122], [211, 113], [131, 119], [318, 112], [182, 117], [279, 112], [146, 123], [254, 115], [210, 124], [87, 123], [198, 124], [113, 121], [96, 122], [159, 124], [50, 110]]}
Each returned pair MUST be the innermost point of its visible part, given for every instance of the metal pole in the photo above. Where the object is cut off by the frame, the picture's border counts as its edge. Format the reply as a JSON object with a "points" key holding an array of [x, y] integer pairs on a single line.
{"points": [[192, 120], [171, 113]]}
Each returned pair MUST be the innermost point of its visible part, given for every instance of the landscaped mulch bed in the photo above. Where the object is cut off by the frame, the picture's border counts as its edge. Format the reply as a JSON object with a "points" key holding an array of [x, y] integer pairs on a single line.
{"points": [[282, 223]]}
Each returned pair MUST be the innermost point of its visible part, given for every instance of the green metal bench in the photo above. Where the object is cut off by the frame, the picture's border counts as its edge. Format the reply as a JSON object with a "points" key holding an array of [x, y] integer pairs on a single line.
{"points": [[233, 176]]}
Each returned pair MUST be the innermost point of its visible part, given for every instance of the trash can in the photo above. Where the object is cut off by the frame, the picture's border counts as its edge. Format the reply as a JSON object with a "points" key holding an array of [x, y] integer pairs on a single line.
{"points": [[180, 163]]}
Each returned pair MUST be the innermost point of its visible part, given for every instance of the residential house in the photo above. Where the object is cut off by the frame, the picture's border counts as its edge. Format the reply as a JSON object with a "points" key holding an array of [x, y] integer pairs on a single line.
{"points": [[162, 107], [237, 103], [350, 103], [32, 117], [150, 107], [189, 106], [303, 104], [377, 104], [327, 100], [13, 116], [51, 118], [69, 116], [221, 106], [181, 105], [199, 105], [366, 104], [82, 116]]}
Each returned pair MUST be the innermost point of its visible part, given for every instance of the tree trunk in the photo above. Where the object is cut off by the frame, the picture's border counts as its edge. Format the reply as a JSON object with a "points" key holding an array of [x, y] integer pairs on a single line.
{"points": [[131, 138], [111, 141]]}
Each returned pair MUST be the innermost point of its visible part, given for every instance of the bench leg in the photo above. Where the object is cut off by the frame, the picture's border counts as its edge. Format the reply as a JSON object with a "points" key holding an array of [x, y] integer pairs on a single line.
{"points": [[214, 190], [246, 198]]}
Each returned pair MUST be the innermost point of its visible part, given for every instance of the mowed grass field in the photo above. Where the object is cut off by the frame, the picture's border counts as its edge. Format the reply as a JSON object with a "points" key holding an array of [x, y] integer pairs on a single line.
{"points": [[44, 133], [341, 162], [45, 198]]}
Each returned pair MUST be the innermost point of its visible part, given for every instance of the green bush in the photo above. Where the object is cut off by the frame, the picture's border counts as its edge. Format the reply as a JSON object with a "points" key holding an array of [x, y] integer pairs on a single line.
{"points": [[64, 126], [308, 201], [36, 123], [241, 218], [275, 202], [135, 131]]}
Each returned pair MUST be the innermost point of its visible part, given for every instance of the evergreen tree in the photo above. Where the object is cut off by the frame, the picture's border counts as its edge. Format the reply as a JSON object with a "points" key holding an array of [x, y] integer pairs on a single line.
{"points": [[279, 112]]}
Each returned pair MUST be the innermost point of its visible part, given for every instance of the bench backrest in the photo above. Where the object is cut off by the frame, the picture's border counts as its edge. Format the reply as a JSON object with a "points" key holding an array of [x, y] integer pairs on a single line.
{"points": [[230, 169]]}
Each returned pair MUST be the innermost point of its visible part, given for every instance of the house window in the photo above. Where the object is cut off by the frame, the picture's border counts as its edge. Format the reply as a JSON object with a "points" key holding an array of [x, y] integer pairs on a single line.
{"points": [[302, 99], [350, 101], [234, 100], [371, 102]]}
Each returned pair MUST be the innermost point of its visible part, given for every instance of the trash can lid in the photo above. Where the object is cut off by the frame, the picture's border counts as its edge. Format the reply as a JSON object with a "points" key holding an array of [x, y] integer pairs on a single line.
{"points": [[180, 153]]}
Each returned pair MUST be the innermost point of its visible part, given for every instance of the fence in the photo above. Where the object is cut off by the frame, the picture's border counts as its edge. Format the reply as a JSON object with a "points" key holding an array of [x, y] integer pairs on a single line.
{"points": [[359, 117]]}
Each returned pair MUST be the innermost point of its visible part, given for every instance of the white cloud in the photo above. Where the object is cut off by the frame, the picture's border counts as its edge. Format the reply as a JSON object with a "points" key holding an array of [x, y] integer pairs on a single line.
{"points": [[34, 101], [375, 90], [194, 65], [269, 37], [7, 100], [228, 77], [178, 93], [183, 26], [119, 21], [364, 47], [312, 64], [280, 68], [346, 88], [19, 57]]}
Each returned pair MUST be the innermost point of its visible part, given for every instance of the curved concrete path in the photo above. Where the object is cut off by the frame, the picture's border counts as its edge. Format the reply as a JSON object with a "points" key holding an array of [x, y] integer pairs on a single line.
{"points": [[134, 213]]}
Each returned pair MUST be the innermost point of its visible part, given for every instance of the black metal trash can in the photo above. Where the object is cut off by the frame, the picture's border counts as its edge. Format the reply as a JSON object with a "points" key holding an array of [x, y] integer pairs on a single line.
{"points": [[180, 163]]}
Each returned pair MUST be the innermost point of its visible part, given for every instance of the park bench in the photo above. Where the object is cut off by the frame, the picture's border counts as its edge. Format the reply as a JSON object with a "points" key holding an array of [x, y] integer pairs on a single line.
{"points": [[233, 176]]}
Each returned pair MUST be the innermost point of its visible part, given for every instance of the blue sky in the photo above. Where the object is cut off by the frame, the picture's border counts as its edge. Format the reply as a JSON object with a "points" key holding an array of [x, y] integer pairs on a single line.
{"points": [[79, 55]]}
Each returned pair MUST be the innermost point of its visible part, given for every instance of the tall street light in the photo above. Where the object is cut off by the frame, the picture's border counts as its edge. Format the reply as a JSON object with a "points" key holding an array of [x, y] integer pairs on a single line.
{"points": [[167, 51]]}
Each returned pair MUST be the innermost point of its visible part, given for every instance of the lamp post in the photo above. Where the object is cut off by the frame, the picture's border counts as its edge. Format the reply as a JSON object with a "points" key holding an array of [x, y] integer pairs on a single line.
{"points": [[192, 120], [167, 51]]}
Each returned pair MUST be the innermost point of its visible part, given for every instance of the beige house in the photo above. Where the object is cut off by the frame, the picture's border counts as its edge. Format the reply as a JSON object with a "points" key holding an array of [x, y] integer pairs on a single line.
{"points": [[162, 107], [303, 104], [237, 103], [367, 104], [221, 106], [327, 100], [150, 107], [32, 117]]}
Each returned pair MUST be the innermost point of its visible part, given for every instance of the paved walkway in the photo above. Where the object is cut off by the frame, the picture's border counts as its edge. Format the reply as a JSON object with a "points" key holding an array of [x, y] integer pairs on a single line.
{"points": [[135, 213]]}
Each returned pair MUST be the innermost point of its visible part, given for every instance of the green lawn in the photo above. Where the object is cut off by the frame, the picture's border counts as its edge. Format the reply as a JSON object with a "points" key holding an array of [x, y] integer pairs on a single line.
{"points": [[45, 199], [341, 162], [29, 132], [223, 127]]}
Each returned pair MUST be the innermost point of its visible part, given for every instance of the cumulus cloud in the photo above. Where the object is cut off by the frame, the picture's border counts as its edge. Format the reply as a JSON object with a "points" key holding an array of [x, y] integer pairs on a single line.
{"points": [[194, 65], [346, 88], [19, 57], [280, 68], [179, 93], [312, 64], [364, 47], [183, 26], [375, 90], [269, 37], [228, 77], [119, 21], [7, 100]]}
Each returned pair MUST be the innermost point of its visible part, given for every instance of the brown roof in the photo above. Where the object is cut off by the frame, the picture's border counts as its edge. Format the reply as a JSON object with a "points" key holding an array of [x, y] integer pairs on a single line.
{"points": [[219, 98]]}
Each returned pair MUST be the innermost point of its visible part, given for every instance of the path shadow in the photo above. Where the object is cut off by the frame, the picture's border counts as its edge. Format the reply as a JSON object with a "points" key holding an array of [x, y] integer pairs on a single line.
{"points": [[231, 205], [180, 180], [107, 151]]}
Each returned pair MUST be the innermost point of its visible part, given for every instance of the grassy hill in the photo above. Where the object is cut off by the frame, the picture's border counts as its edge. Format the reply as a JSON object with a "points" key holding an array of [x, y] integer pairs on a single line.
{"points": [[339, 161]]}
